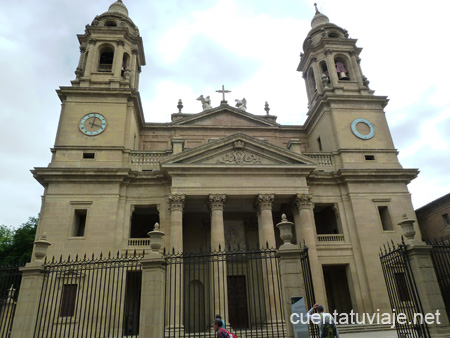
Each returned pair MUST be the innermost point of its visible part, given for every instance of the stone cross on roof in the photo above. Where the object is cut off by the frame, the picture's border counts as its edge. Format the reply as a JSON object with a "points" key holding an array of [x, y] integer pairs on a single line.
{"points": [[223, 91]]}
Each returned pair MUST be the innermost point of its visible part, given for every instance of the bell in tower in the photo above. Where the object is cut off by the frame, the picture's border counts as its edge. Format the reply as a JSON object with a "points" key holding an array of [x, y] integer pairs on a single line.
{"points": [[112, 52]]}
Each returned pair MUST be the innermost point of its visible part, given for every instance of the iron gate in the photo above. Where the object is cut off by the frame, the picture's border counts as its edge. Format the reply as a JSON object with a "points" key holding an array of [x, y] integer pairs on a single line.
{"points": [[402, 291], [243, 286], [441, 261], [10, 279], [96, 297]]}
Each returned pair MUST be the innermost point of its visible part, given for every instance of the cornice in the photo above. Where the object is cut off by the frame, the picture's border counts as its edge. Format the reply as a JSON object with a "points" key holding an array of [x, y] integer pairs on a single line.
{"points": [[94, 175]]}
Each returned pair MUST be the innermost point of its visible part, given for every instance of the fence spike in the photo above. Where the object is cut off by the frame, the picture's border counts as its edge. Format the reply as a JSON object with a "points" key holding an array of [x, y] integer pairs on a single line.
{"points": [[220, 248], [239, 246], [267, 244], [134, 253], [403, 240], [143, 252], [92, 256], [101, 255], [173, 250], [118, 254], [164, 251], [76, 258], [126, 253], [229, 247]]}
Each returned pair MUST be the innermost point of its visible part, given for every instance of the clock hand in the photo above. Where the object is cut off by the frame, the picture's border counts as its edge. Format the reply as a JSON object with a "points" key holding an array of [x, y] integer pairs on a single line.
{"points": [[93, 124]]}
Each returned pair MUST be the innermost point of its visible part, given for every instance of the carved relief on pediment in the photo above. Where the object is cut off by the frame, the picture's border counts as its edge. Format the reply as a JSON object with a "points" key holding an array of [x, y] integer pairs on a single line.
{"points": [[239, 157]]}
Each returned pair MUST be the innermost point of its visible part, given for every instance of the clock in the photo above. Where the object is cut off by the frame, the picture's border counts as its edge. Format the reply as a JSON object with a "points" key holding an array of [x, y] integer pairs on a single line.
{"points": [[363, 129], [92, 124]]}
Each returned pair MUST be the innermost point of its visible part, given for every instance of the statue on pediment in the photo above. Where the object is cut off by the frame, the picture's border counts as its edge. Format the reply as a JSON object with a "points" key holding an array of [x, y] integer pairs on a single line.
{"points": [[241, 104], [206, 102]]}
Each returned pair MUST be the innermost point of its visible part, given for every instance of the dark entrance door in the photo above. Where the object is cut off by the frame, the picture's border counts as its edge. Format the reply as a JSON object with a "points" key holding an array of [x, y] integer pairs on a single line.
{"points": [[237, 302]]}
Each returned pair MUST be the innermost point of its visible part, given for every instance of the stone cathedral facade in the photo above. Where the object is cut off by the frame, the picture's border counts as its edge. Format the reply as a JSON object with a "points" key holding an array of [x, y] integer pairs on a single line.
{"points": [[224, 176]]}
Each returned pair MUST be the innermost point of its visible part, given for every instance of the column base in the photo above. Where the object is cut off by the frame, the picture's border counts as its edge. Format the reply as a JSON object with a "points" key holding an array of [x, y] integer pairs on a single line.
{"points": [[174, 331]]}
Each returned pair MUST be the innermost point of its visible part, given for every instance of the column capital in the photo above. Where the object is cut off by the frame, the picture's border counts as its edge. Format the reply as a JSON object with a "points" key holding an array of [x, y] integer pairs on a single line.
{"points": [[216, 201], [264, 201], [303, 201], [328, 52], [120, 43], [176, 202]]}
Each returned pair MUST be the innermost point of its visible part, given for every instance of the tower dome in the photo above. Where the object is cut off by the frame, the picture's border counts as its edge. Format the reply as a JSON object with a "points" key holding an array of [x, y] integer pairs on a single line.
{"points": [[319, 19], [118, 7]]}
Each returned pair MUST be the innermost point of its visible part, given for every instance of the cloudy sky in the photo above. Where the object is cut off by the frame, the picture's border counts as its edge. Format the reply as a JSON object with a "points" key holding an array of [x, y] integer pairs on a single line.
{"points": [[192, 47]]}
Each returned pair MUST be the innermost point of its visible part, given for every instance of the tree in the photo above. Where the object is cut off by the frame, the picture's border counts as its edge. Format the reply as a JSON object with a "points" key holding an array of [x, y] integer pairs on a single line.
{"points": [[16, 245]]}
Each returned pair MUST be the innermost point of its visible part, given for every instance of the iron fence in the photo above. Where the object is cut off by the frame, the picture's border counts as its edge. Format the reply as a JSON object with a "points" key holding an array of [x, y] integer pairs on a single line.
{"points": [[10, 279], [402, 291], [441, 261], [243, 286], [90, 297], [309, 289]]}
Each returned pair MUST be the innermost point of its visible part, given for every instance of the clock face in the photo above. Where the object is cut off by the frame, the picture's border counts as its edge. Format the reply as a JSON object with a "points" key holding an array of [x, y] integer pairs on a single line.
{"points": [[363, 129], [92, 124]]}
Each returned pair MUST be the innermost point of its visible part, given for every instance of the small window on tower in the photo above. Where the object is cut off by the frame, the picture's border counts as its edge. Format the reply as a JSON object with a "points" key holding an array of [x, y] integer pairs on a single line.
{"points": [[79, 223], [333, 35], [106, 60], [446, 220], [385, 218], [110, 24], [319, 142]]}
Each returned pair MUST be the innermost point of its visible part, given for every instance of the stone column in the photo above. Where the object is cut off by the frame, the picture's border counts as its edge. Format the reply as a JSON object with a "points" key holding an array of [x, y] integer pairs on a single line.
{"points": [[291, 273], [133, 67], [317, 76], [118, 59], [92, 58], [176, 205], [265, 220], [304, 227], [219, 292], [175, 278], [79, 71], [270, 273], [356, 69], [331, 68], [30, 292]]}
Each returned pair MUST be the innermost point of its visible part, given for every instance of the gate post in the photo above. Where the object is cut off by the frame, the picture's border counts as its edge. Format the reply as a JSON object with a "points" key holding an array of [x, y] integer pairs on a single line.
{"points": [[30, 292], [153, 289], [291, 276], [421, 263]]}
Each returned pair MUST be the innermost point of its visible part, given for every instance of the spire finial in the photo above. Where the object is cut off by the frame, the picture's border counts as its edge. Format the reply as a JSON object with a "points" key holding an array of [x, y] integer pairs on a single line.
{"points": [[317, 10]]}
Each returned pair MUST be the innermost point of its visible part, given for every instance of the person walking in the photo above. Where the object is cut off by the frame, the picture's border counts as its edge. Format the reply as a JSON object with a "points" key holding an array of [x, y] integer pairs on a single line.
{"points": [[221, 332], [220, 317], [325, 321]]}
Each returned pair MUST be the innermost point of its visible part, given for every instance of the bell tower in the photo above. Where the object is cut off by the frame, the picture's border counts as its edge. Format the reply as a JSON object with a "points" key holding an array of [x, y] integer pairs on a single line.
{"points": [[111, 51], [101, 112], [344, 116]]}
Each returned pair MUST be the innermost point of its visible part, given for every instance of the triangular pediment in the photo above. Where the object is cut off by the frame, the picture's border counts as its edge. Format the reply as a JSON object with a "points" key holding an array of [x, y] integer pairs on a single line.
{"points": [[226, 115], [238, 150]]}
